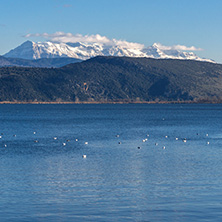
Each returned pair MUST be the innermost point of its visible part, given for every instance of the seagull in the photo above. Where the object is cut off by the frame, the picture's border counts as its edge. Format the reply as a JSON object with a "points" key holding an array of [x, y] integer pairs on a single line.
{"points": [[176, 138], [208, 142], [86, 143], [164, 147], [55, 138], [64, 144], [84, 156], [76, 140]]}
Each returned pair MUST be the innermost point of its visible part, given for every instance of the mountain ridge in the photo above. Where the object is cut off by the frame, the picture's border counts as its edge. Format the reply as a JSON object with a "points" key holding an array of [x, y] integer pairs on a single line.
{"points": [[115, 79]]}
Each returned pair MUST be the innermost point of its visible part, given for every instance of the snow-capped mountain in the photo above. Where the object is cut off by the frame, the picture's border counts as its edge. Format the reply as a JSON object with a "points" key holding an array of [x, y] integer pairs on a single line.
{"points": [[83, 51]]}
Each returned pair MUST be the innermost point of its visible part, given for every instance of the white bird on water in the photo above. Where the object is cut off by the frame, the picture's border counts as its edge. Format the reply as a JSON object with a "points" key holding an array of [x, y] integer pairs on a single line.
{"points": [[84, 156]]}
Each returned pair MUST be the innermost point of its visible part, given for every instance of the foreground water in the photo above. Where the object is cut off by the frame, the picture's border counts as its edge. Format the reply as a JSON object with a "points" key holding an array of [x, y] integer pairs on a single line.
{"points": [[43, 180]]}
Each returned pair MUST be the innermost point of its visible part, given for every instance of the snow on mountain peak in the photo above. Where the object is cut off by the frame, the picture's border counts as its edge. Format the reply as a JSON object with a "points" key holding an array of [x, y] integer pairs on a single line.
{"points": [[103, 47]]}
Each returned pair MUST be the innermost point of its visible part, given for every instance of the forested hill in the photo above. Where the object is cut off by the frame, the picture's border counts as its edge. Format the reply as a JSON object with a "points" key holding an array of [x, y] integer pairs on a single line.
{"points": [[115, 79]]}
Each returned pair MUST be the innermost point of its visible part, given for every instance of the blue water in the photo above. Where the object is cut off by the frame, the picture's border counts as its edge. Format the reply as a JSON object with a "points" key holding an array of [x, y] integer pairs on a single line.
{"points": [[46, 181]]}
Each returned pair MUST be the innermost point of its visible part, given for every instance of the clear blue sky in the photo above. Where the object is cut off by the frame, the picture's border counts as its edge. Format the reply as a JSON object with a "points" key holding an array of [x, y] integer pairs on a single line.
{"points": [[186, 22]]}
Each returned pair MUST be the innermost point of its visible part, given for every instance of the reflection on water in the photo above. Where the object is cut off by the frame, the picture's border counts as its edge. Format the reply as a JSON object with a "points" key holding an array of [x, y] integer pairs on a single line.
{"points": [[46, 181]]}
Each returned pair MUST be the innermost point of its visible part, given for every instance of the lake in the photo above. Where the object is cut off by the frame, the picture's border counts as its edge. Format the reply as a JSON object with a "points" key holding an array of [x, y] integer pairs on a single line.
{"points": [[159, 162]]}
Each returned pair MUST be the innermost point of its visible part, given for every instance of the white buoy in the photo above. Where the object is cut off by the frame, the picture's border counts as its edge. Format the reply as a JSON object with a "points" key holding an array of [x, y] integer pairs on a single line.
{"points": [[176, 138], [166, 136], [34, 132], [5, 145], [207, 134], [64, 144], [84, 156], [164, 147], [208, 142], [76, 140], [55, 138], [86, 143], [0, 137]]}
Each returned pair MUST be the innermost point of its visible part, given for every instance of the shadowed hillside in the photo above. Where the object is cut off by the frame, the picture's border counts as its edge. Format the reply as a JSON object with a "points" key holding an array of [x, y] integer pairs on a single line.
{"points": [[115, 79]]}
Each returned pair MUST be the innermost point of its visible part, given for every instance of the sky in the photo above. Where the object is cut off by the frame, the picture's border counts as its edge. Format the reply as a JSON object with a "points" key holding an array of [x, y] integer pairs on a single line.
{"points": [[190, 23]]}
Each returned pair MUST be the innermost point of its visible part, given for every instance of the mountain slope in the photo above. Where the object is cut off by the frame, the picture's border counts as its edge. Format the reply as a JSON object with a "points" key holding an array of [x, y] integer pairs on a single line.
{"points": [[115, 79], [45, 63], [83, 51]]}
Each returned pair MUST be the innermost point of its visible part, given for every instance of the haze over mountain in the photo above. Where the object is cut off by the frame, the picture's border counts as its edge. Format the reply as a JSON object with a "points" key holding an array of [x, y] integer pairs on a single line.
{"points": [[43, 63], [86, 50]]}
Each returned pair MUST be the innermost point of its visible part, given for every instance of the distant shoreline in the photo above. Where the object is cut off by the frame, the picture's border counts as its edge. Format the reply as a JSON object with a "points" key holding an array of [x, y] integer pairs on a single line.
{"points": [[117, 102]]}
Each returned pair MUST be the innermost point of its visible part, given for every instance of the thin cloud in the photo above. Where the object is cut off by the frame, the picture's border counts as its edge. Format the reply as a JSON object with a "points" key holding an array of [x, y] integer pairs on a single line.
{"points": [[90, 39], [178, 47], [69, 37]]}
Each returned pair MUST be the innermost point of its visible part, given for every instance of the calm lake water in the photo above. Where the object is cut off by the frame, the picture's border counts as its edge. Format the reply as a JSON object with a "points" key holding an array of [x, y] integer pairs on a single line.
{"points": [[43, 180]]}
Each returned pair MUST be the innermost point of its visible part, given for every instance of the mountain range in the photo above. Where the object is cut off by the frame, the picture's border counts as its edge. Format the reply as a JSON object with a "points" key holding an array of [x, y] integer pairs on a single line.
{"points": [[30, 50], [115, 79]]}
